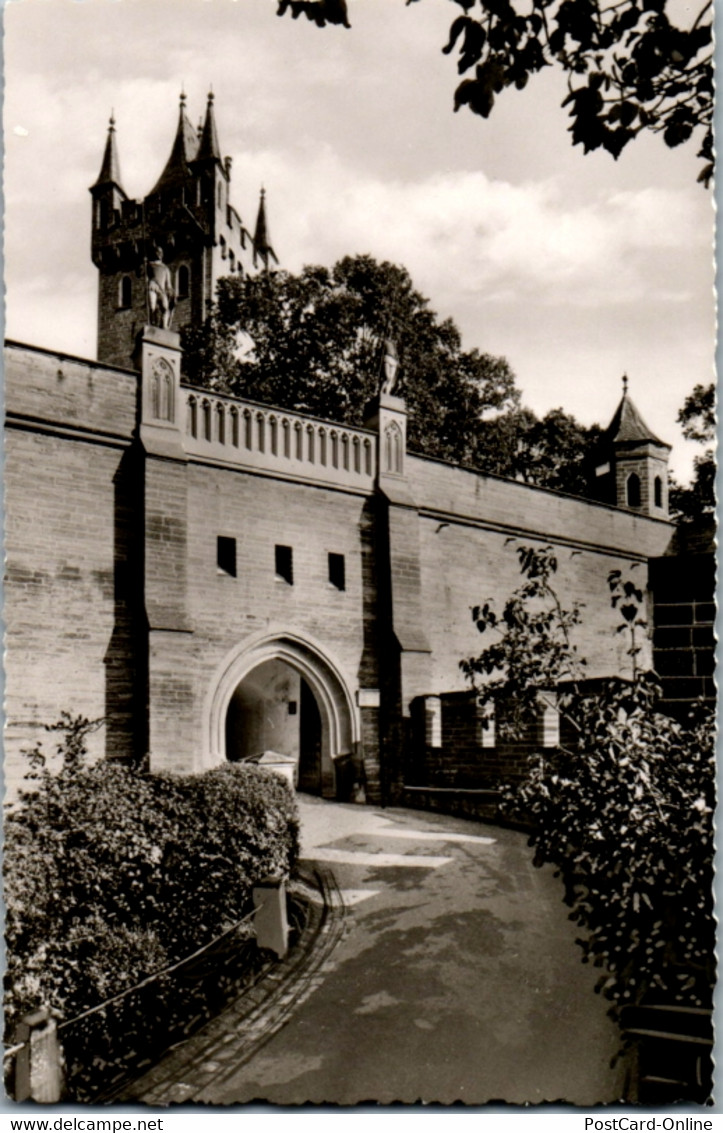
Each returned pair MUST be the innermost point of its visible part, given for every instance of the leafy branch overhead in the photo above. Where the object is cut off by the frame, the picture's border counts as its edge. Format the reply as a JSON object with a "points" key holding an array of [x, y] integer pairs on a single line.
{"points": [[630, 68]]}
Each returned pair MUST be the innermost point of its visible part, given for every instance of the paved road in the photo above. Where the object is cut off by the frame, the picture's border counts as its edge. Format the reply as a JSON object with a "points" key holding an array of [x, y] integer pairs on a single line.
{"points": [[459, 978]]}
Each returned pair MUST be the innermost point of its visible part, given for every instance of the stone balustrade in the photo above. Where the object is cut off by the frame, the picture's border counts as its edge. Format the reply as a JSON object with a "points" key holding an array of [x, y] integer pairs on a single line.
{"points": [[253, 436]]}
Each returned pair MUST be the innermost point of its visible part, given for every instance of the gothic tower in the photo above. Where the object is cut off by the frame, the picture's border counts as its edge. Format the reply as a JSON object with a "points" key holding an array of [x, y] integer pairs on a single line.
{"points": [[188, 215], [632, 463]]}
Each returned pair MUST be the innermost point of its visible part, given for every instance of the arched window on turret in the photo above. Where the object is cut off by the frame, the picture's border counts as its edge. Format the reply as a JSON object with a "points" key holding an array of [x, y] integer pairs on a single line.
{"points": [[658, 491], [220, 195], [222, 242], [633, 490], [182, 282], [125, 292]]}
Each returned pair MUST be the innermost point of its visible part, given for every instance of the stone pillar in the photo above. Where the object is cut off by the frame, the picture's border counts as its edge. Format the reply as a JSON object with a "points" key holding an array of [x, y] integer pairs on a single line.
{"points": [[171, 695], [39, 1063], [399, 547]]}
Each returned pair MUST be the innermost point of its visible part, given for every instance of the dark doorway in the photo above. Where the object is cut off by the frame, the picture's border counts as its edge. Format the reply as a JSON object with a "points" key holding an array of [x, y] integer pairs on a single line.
{"points": [[309, 742]]}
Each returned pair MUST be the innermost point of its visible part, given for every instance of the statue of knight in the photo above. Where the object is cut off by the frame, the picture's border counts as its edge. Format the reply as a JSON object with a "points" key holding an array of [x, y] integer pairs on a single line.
{"points": [[161, 292]]}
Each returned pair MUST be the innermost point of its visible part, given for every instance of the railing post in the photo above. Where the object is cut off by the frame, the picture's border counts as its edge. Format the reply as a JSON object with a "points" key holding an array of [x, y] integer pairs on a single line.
{"points": [[39, 1065], [270, 923]]}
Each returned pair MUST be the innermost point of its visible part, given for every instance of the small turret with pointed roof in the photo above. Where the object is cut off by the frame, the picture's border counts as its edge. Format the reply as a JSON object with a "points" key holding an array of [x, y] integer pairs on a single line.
{"points": [[110, 167], [632, 462], [208, 147], [109, 197], [262, 244]]}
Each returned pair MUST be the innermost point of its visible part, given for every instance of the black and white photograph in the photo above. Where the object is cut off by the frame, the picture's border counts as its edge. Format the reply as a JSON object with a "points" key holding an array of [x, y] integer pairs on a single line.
{"points": [[360, 556]]}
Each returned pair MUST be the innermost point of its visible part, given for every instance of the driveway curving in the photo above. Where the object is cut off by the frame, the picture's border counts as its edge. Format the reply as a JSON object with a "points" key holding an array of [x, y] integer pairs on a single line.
{"points": [[458, 978]]}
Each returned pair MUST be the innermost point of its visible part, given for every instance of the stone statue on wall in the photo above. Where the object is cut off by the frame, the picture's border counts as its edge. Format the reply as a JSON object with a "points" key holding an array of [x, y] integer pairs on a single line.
{"points": [[390, 366], [161, 292]]}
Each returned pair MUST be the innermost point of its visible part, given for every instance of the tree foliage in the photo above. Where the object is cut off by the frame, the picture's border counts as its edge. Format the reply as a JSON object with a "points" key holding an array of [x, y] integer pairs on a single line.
{"points": [[623, 807], [554, 451], [101, 867], [629, 67], [313, 342], [697, 417], [534, 650]]}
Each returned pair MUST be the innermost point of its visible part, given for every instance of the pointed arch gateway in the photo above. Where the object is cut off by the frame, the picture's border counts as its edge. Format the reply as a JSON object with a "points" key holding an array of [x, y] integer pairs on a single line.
{"points": [[249, 666]]}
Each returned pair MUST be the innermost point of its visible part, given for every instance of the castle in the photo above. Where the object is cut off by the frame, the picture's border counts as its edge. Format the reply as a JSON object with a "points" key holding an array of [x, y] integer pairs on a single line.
{"points": [[216, 578]]}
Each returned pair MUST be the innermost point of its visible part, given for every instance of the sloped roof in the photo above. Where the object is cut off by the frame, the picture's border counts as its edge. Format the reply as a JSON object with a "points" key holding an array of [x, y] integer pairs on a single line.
{"points": [[183, 151], [208, 144], [110, 167], [262, 243], [628, 426]]}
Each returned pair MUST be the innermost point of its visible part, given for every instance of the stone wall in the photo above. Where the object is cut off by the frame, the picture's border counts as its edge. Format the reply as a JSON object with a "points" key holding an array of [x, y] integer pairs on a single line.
{"points": [[75, 636], [118, 604], [466, 752], [471, 527]]}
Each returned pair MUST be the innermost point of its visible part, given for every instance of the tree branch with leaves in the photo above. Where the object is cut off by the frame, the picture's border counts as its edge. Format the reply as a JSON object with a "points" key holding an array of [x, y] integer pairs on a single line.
{"points": [[630, 69]]}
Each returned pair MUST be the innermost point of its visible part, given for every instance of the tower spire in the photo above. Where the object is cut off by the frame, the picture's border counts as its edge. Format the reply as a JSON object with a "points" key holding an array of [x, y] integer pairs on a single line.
{"points": [[262, 243], [110, 167], [208, 146], [183, 151]]}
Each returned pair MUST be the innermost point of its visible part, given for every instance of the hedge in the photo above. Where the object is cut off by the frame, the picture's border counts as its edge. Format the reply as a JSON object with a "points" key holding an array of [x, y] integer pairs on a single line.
{"points": [[112, 874]]}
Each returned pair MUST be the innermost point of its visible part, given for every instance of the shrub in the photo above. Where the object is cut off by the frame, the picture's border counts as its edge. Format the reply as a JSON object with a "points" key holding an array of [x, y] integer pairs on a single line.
{"points": [[624, 807], [112, 874], [625, 813]]}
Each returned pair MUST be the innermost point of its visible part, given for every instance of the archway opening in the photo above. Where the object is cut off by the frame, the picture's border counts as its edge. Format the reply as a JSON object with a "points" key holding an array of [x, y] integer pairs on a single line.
{"points": [[274, 709], [282, 692]]}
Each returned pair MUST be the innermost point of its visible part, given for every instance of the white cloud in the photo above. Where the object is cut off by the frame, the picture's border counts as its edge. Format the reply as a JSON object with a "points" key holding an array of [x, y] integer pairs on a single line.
{"points": [[576, 268], [464, 233]]}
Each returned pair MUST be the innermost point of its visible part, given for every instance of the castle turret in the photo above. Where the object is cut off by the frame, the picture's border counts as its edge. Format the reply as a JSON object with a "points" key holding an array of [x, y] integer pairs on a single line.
{"points": [[262, 243], [107, 192], [187, 216], [631, 468]]}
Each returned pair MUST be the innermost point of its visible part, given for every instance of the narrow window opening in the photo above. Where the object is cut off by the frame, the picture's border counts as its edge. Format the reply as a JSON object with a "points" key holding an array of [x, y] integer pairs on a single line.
{"points": [[658, 488], [633, 490], [285, 564], [226, 555], [337, 574], [125, 292]]}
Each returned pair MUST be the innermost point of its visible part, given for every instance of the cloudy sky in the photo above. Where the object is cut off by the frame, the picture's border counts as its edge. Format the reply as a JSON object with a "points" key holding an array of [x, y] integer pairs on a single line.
{"points": [[576, 268]]}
